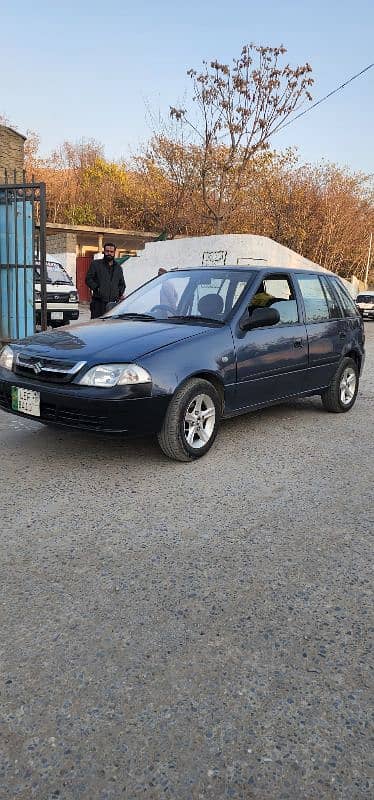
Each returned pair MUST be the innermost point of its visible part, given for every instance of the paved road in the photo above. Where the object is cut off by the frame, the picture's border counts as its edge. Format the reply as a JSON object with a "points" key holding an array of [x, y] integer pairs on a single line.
{"points": [[189, 631]]}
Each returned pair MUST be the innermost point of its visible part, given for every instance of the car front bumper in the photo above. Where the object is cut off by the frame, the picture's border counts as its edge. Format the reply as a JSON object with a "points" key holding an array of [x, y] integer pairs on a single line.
{"points": [[123, 409], [68, 314]]}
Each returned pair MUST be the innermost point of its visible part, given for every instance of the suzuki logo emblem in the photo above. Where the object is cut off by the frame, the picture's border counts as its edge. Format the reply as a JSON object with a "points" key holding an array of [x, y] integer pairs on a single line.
{"points": [[37, 367]]}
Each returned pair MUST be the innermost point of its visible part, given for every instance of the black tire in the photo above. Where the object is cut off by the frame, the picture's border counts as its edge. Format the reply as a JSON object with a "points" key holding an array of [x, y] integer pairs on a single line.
{"points": [[331, 397], [172, 437]]}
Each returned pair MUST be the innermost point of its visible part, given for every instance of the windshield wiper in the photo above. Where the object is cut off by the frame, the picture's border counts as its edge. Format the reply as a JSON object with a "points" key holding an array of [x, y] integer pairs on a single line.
{"points": [[195, 318], [131, 315]]}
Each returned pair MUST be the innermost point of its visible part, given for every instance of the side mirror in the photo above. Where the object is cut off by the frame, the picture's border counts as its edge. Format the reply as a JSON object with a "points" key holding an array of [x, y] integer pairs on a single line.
{"points": [[259, 318]]}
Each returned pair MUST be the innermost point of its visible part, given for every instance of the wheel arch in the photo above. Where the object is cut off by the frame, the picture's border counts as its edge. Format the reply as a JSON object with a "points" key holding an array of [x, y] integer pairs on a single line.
{"points": [[212, 378], [355, 356]]}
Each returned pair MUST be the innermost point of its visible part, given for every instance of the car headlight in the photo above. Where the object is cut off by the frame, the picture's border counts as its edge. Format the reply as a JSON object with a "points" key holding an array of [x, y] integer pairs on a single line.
{"points": [[107, 375], [73, 297], [6, 357]]}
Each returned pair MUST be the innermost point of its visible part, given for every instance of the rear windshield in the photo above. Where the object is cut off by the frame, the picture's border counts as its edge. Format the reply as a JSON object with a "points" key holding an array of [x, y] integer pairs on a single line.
{"points": [[365, 298]]}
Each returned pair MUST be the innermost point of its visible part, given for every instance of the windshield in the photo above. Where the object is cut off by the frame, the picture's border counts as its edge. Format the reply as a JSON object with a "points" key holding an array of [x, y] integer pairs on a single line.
{"points": [[365, 298], [55, 274], [206, 294]]}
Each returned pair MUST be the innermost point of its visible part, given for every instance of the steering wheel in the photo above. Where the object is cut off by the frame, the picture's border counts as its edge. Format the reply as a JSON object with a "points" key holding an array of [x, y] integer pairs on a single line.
{"points": [[162, 307]]}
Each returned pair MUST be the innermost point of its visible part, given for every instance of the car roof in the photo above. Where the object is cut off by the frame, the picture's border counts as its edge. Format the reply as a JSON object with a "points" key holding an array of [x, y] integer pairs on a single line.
{"points": [[254, 268], [365, 292]]}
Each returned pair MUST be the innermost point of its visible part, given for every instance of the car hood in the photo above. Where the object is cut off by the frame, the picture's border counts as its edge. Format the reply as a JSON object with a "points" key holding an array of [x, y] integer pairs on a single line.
{"points": [[57, 288], [110, 339]]}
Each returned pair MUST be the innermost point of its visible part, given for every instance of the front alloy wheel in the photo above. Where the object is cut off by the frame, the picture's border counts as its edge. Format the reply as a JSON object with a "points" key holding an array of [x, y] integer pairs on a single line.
{"points": [[191, 421], [199, 421]]}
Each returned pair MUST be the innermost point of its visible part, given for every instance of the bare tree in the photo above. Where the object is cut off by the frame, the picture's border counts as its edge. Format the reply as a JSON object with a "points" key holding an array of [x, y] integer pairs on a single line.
{"points": [[238, 109], [168, 170]]}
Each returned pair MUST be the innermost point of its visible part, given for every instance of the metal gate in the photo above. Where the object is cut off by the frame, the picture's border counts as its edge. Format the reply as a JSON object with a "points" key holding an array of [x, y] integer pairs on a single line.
{"points": [[22, 243]]}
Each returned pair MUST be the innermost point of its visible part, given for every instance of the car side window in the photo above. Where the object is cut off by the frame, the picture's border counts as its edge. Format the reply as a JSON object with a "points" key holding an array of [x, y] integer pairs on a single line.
{"points": [[335, 309], [346, 300], [316, 302], [277, 292]]}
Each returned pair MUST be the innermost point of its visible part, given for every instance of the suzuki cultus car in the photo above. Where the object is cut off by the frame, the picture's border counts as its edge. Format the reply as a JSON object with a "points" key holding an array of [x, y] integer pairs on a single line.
{"points": [[189, 349]]}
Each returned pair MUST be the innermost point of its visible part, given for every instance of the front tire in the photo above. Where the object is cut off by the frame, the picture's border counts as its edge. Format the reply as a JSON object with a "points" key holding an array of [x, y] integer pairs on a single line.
{"points": [[191, 421], [342, 392]]}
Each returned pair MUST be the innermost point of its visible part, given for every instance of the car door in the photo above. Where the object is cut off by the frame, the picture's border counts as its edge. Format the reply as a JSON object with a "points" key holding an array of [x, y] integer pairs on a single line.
{"points": [[271, 361], [325, 325]]}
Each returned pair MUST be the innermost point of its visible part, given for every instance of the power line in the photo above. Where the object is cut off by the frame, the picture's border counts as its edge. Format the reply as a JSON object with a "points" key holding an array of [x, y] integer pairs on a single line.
{"points": [[318, 102]]}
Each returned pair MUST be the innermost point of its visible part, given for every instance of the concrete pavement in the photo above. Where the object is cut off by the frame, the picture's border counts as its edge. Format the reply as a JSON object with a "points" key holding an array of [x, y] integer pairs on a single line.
{"points": [[194, 630]]}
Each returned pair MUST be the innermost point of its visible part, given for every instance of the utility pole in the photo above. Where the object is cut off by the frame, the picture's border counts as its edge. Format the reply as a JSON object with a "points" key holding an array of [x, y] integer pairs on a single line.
{"points": [[368, 262]]}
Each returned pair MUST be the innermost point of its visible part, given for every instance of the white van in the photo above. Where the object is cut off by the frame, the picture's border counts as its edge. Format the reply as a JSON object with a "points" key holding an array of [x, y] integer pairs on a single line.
{"points": [[62, 296], [365, 304]]}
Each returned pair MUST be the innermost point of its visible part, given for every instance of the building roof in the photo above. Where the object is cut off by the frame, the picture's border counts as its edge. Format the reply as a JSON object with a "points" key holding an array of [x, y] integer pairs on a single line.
{"points": [[93, 236], [57, 227], [13, 131]]}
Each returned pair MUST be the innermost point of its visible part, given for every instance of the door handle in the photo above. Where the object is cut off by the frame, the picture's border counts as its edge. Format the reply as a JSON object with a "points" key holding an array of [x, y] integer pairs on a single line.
{"points": [[298, 343]]}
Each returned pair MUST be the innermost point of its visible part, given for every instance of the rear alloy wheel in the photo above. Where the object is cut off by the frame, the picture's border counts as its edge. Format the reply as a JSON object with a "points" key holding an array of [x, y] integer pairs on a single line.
{"points": [[191, 421], [342, 392]]}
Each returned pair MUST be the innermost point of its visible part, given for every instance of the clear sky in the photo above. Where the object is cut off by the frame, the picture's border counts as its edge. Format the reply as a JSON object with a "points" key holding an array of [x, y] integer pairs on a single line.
{"points": [[88, 68]]}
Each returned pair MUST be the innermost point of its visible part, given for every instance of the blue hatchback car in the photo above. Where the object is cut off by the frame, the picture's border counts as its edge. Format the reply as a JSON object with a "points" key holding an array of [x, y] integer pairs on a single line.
{"points": [[188, 349]]}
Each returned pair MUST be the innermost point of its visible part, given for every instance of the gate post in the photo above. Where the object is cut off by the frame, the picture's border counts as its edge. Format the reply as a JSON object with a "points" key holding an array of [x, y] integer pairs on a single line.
{"points": [[42, 257]]}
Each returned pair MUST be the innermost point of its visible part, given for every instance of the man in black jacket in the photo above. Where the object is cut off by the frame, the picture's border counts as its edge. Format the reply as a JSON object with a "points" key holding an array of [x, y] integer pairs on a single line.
{"points": [[106, 281]]}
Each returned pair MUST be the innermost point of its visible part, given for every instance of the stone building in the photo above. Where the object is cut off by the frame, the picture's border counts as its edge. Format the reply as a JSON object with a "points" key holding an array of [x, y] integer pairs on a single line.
{"points": [[12, 147], [67, 244]]}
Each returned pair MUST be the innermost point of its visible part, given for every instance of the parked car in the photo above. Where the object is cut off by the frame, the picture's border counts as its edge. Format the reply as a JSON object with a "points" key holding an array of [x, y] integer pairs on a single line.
{"points": [[231, 340], [365, 304], [62, 296]]}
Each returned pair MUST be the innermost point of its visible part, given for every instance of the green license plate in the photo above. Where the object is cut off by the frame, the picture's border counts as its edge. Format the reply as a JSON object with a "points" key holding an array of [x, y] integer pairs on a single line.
{"points": [[26, 401]]}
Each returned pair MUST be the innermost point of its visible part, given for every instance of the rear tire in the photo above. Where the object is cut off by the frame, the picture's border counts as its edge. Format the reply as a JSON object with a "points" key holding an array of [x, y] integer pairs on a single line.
{"points": [[342, 392], [191, 421]]}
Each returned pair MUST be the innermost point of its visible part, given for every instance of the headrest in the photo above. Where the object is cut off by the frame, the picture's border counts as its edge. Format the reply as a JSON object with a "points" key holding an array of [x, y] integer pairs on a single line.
{"points": [[210, 305]]}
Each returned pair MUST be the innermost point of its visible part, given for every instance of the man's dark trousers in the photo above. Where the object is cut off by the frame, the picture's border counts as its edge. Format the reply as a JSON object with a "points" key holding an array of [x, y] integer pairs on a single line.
{"points": [[97, 307]]}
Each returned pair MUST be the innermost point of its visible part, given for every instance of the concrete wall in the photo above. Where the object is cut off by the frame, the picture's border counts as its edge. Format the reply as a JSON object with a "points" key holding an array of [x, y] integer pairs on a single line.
{"points": [[62, 247], [232, 249], [12, 145]]}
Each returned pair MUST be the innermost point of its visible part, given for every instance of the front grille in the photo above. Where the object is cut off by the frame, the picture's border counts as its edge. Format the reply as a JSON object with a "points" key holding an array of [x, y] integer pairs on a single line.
{"points": [[73, 417], [55, 297], [46, 369]]}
